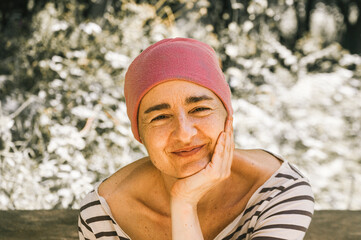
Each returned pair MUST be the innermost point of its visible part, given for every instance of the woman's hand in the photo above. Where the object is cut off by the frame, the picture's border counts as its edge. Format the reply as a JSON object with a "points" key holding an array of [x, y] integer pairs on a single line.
{"points": [[192, 188], [187, 192]]}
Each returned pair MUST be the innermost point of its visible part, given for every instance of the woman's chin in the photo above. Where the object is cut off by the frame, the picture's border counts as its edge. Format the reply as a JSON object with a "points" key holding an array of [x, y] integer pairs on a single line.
{"points": [[193, 168]]}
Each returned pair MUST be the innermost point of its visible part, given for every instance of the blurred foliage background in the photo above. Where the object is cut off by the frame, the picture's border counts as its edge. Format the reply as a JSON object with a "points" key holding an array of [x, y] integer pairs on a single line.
{"points": [[294, 68]]}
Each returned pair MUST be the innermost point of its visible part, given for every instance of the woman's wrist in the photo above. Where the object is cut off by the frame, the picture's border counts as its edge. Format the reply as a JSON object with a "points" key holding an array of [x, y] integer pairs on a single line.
{"points": [[182, 198], [179, 202]]}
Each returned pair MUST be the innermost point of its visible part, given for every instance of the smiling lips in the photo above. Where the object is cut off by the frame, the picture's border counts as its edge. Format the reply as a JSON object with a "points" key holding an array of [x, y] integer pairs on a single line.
{"points": [[189, 151]]}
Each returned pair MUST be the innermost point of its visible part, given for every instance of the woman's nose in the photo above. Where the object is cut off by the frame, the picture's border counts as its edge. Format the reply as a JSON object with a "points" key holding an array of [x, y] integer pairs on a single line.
{"points": [[184, 130]]}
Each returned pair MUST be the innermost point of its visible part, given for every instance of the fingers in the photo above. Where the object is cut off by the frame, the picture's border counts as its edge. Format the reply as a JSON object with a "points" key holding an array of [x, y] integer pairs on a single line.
{"points": [[216, 161], [223, 153], [228, 147]]}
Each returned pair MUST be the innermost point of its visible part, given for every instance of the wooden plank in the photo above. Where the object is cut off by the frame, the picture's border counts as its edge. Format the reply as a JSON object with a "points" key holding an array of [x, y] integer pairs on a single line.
{"points": [[335, 225], [39, 224], [62, 224]]}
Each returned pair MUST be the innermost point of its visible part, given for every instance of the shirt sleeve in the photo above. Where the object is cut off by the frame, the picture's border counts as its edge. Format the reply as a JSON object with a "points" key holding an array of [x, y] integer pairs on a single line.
{"points": [[94, 222], [84, 230], [288, 215]]}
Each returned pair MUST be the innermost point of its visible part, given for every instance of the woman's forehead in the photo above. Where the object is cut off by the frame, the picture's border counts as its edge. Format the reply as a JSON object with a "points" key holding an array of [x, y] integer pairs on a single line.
{"points": [[181, 90]]}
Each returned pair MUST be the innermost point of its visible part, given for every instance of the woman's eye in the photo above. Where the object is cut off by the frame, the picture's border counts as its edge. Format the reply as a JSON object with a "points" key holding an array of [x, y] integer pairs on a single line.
{"points": [[200, 109], [160, 117]]}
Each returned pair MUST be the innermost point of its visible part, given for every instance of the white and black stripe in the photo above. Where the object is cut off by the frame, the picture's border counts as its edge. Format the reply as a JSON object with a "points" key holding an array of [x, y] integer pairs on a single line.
{"points": [[281, 209], [95, 222]]}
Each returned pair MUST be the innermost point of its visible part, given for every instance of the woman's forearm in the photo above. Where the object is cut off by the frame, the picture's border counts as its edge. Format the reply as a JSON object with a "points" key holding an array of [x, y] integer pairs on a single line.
{"points": [[187, 192], [185, 223]]}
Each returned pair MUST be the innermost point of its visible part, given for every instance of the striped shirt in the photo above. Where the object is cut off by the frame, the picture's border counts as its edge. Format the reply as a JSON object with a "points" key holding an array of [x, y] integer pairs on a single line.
{"points": [[281, 208]]}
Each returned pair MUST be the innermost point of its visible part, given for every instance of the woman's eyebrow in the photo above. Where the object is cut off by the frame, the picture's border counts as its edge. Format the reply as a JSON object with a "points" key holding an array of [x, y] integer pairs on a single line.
{"points": [[189, 100], [194, 99], [157, 107]]}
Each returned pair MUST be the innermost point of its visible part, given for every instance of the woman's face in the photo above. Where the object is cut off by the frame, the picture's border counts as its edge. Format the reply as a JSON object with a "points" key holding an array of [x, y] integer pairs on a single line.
{"points": [[179, 124]]}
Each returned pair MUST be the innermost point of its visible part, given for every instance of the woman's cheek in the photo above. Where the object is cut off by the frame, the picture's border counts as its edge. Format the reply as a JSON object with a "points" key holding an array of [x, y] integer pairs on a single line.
{"points": [[155, 136], [214, 123]]}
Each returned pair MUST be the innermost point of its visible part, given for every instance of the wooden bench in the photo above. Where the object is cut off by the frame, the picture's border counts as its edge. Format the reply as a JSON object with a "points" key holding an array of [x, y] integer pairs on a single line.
{"points": [[62, 224]]}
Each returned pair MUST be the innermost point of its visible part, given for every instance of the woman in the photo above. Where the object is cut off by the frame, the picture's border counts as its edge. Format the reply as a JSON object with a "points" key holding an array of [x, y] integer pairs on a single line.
{"points": [[193, 184]]}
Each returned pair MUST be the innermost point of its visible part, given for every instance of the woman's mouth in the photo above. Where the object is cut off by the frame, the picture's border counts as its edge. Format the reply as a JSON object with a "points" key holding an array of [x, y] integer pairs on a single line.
{"points": [[188, 151]]}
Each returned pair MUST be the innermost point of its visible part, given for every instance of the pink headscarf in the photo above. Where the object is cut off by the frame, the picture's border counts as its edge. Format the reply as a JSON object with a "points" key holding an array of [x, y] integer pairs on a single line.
{"points": [[173, 59]]}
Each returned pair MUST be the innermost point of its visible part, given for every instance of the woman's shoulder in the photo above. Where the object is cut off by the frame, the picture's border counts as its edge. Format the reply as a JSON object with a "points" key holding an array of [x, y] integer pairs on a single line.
{"points": [[283, 203], [283, 182], [124, 180], [256, 163], [269, 172]]}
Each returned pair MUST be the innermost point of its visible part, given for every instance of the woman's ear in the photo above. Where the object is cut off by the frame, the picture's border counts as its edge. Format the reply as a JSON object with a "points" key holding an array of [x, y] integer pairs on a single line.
{"points": [[228, 118], [140, 138]]}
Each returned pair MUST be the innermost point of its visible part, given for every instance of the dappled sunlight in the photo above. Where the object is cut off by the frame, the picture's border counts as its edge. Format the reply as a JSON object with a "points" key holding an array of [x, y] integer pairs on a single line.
{"points": [[63, 121]]}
